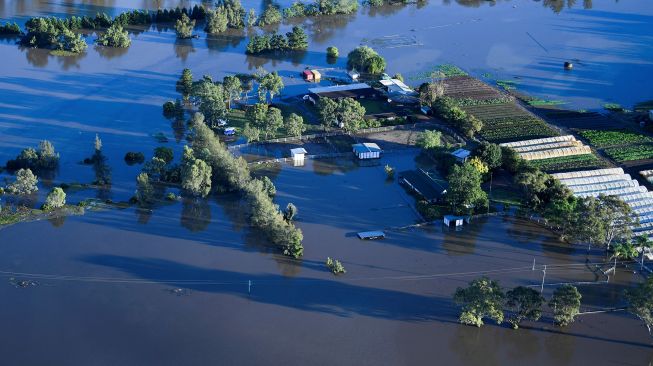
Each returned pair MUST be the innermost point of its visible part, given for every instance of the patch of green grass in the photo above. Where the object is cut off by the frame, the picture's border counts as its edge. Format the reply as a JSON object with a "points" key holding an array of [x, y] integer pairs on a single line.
{"points": [[541, 102], [608, 138], [510, 197], [63, 53], [613, 107], [450, 70], [507, 84], [375, 106], [236, 118]]}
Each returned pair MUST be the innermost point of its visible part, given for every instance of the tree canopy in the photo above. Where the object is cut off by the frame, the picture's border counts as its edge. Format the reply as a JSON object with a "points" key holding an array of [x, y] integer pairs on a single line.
{"points": [[464, 193], [565, 304], [483, 298]]}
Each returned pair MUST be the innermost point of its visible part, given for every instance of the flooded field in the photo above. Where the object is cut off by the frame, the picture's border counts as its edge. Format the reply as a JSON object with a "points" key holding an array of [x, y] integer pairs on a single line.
{"points": [[190, 283]]}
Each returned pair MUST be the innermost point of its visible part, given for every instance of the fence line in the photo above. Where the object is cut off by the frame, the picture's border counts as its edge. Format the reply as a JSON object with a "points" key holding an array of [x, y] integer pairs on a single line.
{"points": [[359, 132]]}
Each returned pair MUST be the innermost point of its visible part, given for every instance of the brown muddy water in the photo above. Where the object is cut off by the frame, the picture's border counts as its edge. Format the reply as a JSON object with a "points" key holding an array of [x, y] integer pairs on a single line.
{"points": [[171, 286]]}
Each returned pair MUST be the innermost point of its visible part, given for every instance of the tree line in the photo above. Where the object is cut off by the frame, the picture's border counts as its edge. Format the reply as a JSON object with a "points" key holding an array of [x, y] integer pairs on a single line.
{"points": [[295, 40]]}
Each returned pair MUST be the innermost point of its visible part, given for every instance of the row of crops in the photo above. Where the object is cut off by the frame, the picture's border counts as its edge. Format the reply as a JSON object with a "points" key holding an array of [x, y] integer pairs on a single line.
{"points": [[607, 138], [507, 129], [566, 163], [631, 152]]}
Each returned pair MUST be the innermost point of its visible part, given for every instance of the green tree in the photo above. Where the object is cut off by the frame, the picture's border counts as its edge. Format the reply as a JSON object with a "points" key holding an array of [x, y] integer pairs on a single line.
{"points": [[25, 184], [563, 213], [185, 84], [273, 121], [233, 87], [429, 139], [70, 41], [164, 153], [524, 303], [490, 154], [618, 219], [216, 21], [430, 92], [269, 187], [297, 39], [565, 304], [195, 174], [624, 251], [295, 125], [257, 115], [55, 199], [211, 101], [271, 84], [290, 212], [271, 15], [184, 27], [640, 302], [366, 59], [252, 134], [464, 192], [251, 18], [350, 114], [483, 298], [115, 36], [589, 226], [332, 52], [328, 111], [144, 190], [644, 244]]}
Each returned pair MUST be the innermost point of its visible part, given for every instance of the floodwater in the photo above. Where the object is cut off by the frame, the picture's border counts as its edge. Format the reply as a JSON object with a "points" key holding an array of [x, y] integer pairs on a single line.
{"points": [[172, 285]]}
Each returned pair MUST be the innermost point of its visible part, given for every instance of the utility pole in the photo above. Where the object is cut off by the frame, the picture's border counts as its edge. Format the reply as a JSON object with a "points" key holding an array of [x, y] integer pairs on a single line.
{"points": [[543, 277], [533, 264], [249, 286]]}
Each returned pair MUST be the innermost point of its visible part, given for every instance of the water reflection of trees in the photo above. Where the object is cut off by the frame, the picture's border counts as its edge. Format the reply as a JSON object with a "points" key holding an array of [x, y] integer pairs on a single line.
{"points": [[322, 29], [178, 129], [58, 221], [295, 57], [111, 52], [222, 42], [330, 166], [195, 214], [183, 48], [37, 57]]}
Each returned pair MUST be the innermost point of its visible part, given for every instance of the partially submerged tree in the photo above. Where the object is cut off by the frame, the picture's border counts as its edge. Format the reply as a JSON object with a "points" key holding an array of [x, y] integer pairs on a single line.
{"points": [[290, 212], [55, 199], [365, 59], [565, 304], [524, 303], [184, 27], [483, 298], [144, 189], [115, 36], [640, 302], [185, 84], [25, 184], [216, 21], [464, 193], [195, 174]]}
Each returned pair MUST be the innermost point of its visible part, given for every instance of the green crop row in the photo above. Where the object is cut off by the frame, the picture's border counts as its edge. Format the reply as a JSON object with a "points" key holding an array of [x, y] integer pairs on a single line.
{"points": [[574, 162], [629, 153], [614, 137]]}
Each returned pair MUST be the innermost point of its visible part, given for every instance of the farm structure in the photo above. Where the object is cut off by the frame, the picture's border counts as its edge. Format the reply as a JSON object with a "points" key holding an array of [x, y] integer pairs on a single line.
{"points": [[356, 91], [428, 185], [367, 150], [613, 182], [547, 148]]}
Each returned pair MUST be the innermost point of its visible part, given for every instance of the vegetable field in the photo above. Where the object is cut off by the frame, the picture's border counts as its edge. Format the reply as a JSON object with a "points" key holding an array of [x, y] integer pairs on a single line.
{"points": [[575, 162], [508, 122], [467, 87], [608, 138], [629, 153]]}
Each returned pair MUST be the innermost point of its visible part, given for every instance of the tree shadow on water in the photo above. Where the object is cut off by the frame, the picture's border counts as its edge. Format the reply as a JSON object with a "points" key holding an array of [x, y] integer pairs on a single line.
{"points": [[336, 297]]}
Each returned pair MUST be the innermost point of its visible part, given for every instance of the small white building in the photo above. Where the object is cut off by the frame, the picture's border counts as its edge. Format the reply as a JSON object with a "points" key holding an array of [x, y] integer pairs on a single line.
{"points": [[455, 221], [298, 154], [367, 150], [461, 155], [354, 75]]}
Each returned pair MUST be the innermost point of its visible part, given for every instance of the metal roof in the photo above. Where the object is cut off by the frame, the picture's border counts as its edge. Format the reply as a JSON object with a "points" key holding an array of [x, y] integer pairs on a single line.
{"points": [[366, 147], [339, 88]]}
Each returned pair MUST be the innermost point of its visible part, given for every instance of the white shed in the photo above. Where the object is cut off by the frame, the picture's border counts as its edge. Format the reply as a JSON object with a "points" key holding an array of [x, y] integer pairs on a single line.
{"points": [[367, 150], [298, 155], [461, 155], [455, 220]]}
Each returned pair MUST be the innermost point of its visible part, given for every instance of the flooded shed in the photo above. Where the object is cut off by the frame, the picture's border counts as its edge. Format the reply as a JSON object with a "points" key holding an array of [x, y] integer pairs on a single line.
{"points": [[371, 235], [298, 154], [367, 150]]}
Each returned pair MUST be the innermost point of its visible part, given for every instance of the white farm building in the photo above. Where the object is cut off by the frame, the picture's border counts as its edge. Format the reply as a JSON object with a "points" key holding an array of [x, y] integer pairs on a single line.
{"points": [[367, 150]]}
